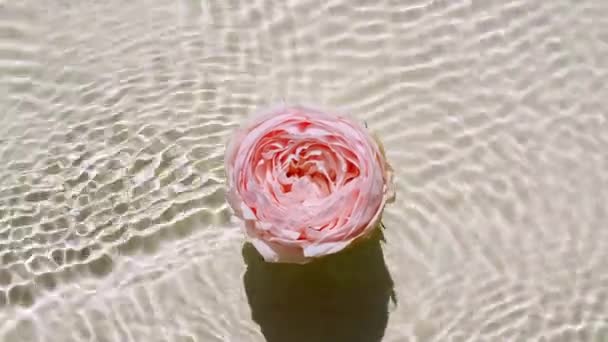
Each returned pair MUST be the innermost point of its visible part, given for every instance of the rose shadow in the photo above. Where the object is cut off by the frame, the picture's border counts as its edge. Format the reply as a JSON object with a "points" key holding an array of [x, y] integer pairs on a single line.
{"points": [[341, 298]]}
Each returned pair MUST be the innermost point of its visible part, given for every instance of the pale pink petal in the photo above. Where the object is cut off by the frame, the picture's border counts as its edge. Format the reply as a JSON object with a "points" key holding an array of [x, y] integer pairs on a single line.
{"points": [[267, 252], [247, 212], [275, 253], [326, 248]]}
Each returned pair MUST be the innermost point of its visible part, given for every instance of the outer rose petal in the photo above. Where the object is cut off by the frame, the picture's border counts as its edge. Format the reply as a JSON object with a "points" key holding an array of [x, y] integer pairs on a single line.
{"points": [[272, 252], [389, 173], [325, 248]]}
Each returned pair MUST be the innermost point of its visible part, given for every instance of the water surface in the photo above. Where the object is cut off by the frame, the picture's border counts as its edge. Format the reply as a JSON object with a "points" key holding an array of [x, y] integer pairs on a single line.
{"points": [[113, 119]]}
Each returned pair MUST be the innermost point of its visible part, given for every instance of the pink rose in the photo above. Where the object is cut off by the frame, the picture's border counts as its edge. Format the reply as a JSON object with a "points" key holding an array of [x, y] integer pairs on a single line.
{"points": [[306, 183]]}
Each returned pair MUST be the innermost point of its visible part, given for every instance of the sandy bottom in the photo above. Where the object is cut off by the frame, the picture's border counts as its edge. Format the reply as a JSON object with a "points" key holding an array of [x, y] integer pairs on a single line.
{"points": [[113, 119]]}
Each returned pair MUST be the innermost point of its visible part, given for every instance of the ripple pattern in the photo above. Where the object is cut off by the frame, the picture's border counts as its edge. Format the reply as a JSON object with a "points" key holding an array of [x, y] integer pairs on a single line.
{"points": [[114, 115]]}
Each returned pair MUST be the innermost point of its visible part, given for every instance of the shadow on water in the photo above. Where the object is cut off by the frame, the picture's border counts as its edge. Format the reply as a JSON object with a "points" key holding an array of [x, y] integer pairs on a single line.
{"points": [[341, 298]]}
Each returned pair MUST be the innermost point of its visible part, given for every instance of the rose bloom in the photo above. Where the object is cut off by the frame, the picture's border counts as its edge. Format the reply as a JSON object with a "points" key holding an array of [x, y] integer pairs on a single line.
{"points": [[306, 183]]}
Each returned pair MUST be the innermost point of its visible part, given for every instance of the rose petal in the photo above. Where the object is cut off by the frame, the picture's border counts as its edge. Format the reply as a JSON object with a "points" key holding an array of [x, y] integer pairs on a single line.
{"points": [[247, 212], [326, 248], [265, 250], [274, 253]]}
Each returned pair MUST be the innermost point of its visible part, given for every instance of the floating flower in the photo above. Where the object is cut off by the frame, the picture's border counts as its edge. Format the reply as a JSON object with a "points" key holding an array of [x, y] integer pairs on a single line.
{"points": [[306, 183]]}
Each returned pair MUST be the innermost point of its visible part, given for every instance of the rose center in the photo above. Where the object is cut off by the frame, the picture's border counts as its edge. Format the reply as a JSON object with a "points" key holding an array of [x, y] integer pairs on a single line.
{"points": [[304, 168], [305, 179]]}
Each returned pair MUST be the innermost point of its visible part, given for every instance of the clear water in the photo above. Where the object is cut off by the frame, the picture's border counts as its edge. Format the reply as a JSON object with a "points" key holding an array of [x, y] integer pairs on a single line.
{"points": [[113, 119]]}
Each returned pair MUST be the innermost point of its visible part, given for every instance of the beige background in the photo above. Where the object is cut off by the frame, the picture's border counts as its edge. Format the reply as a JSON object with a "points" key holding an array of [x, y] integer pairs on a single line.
{"points": [[113, 116]]}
